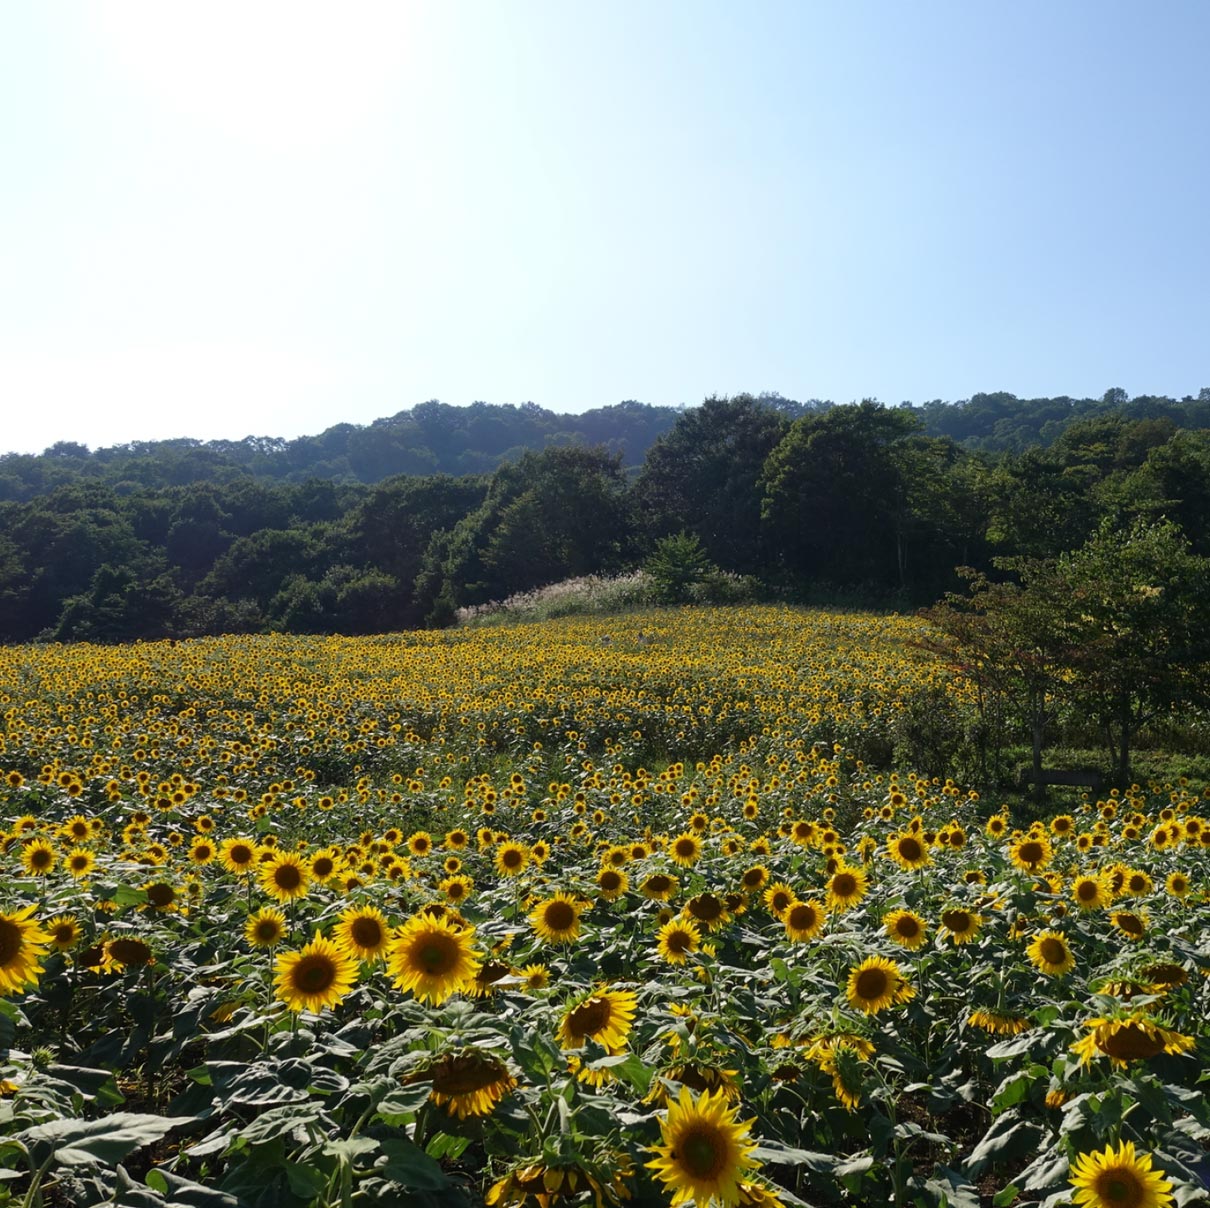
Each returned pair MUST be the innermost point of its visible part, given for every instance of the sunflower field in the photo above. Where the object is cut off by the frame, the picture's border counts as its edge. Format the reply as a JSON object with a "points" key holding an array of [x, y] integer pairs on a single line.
{"points": [[602, 912]]}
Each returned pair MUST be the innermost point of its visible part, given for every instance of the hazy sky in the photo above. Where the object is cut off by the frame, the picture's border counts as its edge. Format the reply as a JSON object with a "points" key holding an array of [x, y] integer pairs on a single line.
{"points": [[257, 217]]}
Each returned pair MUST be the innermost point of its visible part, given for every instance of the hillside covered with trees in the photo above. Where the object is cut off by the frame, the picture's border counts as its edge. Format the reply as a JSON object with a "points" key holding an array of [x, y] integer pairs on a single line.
{"points": [[343, 533]]}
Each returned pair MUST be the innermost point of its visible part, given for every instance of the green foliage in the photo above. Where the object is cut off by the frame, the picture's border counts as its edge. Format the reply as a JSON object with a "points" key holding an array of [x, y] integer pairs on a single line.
{"points": [[676, 566]]}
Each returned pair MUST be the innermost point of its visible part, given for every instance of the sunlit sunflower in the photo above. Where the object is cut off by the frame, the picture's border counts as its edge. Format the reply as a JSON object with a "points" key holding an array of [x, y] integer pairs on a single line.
{"points": [[778, 898], [64, 931], [1119, 1178], [557, 919], [908, 850], [23, 943], [1135, 1037], [1177, 884], [362, 932], [876, 984], [905, 927], [1031, 854], [325, 864], [612, 882], [708, 909], [1091, 892], [284, 877], [238, 856], [420, 843], [705, 1152], [659, 887], [803, 920], [38, 858], [318, 976], [1137, 884], [265, 928], [470, 1082], [511, 858], [846, 887], [457, 888], [676, 939], [433, 958], [754, 879], [535, 977], [685, 849], [605, 1016], [962, 926], [1050, 954]]}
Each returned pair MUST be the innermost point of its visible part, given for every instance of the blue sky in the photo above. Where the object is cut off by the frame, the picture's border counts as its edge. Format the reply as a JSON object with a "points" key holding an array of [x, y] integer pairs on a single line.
{"points": [[266, 218]]}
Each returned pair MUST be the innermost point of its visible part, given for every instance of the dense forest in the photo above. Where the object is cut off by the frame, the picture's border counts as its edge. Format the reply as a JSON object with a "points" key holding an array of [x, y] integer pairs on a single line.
{"points": [[397, 524]]}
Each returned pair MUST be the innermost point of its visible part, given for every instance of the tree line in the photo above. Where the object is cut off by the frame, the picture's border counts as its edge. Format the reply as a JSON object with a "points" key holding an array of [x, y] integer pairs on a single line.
{"points": [[857, 503]]}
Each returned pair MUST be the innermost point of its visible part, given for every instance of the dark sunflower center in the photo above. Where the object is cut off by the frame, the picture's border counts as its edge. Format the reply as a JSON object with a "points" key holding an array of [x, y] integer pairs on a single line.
{"points": [[511, 858], [910, 848], [1137, 884], [287, 876], [366, 932], [160, 894], [129, 952], [780, 901], [844, 884], [325, 866], [559, 916], [706, 907], [455, 889], [589, 1017], [1129, 1042], [802, 917], [702, 1153], [753, 877], [1131, 924], [1086, 891], [872, 984], [678, 941], [658, 883], [266, 931], [1031, 853], [437, 955], [610, 880], [11, 942], [1117, 1186], [465, 1074], [958, 921], [907, 927], [314, 974], [42, 857], [1053, 952]]}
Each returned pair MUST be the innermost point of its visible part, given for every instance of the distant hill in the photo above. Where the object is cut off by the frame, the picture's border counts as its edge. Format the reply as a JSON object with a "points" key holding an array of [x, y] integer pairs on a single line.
{"points": [[433, 438]]}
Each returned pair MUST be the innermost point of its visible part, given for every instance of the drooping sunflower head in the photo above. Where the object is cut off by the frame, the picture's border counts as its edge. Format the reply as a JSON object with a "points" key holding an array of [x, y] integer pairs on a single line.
{"points": [[433, 958], [604, 1016], [708, 909], [470, 1082], [706, 1152], [318, 976]]}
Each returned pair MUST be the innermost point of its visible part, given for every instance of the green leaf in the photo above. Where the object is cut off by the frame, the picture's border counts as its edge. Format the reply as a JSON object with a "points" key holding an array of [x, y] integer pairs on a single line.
{"points": [[106, 1141], [410, 1166]]}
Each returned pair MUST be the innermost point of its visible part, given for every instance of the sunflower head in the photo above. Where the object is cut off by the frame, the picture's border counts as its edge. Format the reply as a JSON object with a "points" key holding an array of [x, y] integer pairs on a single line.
{"points": [[433, 957], [876, 984], [604, 1016], [1119, 1178], [318, 976]]}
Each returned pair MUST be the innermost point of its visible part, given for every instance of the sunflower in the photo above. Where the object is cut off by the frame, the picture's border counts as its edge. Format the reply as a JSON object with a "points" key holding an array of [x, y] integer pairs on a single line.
{"points": [[284, 876], [557, 919], [420, 843], [22, 945], [612, 882], [778, 898], [659, 887], [457, 888], [685, 849], [161, 897], [325, 864], [1131, 924], [676, 939], [470, 1082], [1050, 954], [1031, 854], [38, 858], [362, 932], [265, 928], [64, 931], [876, 984], [1135, 1037], [908, 850], [705, 1152], [1137, 884], [754, 879], [125, 952], [1091, 892], [318, 976], [604, 1016], [998, 1023], [433, 958], [238, 856], [846, 887], [1119, 1179], [511, 858], [905, 927], [708, 909], [803, 920], [961, 925], [1177, 884], [535, 977]]}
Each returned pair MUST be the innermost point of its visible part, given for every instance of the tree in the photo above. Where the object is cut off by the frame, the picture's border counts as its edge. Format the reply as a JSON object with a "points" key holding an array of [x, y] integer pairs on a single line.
{"points": [[676, 565]]}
